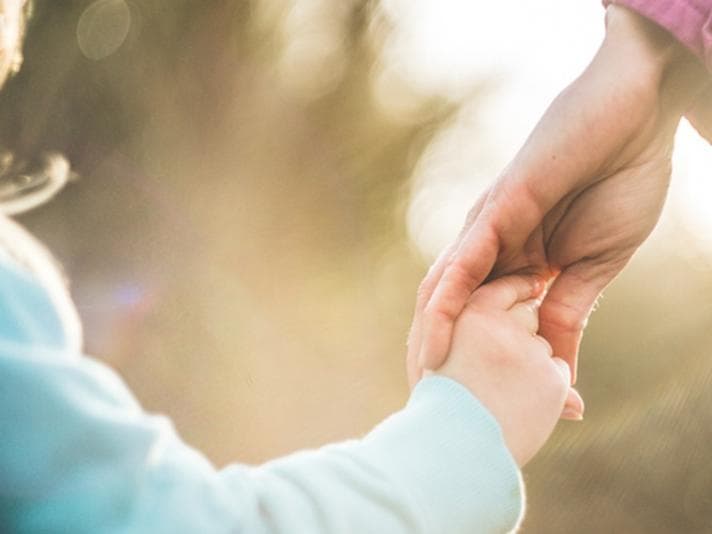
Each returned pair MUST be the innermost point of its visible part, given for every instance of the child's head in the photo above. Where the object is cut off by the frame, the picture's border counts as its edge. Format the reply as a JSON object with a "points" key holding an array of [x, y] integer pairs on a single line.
{"points": [[18, 247]]}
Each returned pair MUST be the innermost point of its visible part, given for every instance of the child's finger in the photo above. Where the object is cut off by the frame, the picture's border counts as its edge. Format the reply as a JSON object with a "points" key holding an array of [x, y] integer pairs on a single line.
{"points": [[527, 315], [503, 293], [574, 406]]}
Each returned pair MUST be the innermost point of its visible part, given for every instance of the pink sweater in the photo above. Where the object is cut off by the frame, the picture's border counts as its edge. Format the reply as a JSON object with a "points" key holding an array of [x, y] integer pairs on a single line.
{"points": [[690, 21]]}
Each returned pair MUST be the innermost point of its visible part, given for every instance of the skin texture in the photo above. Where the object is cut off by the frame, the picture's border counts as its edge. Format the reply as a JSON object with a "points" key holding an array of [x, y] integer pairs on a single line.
{"points": [[579, 198], [496, 353]]}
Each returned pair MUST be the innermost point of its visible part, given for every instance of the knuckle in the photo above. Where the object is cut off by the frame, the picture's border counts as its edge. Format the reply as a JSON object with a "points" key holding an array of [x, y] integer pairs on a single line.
{"points": [[528, 285], [448, 306], [459, 274], [482, 295], [564, 318], [438, 313], [508, 288]]}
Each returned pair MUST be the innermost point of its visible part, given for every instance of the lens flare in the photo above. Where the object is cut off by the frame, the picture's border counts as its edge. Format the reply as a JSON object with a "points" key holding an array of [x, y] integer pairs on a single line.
{"points": [[103, 28]]}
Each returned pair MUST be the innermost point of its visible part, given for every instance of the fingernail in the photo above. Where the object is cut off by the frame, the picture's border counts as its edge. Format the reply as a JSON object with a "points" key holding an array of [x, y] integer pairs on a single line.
{"points": [[571, 414]]}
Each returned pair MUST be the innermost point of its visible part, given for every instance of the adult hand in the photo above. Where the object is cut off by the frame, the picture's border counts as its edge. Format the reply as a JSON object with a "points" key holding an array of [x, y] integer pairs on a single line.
{"points": [[579, 198]]}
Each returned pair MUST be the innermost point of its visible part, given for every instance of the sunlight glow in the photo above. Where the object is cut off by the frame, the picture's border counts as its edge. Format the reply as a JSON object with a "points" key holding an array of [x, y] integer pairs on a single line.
{"points": [[691, 190], [312, 59]]}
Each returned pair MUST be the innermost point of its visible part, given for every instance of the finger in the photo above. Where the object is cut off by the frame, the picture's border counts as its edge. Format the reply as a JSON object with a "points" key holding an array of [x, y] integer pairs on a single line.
{"points": [[567, 305], [435, 273], [426, 289], [508, 291], [473, 261], [512, 209], [413, 371], [526, 314], [545, 344], [573, 407]]}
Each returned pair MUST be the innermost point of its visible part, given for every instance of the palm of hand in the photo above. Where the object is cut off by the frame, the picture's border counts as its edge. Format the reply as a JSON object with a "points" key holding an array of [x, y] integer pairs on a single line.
{"points": [[611, 201]]}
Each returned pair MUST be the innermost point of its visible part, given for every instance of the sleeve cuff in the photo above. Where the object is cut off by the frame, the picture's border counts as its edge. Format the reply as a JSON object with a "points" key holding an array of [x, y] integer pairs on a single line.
{"points": [[456, 465]]}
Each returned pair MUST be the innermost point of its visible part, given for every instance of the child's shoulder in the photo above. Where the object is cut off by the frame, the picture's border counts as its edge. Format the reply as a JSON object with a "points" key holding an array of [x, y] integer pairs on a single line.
{"points": [[35, 307]]}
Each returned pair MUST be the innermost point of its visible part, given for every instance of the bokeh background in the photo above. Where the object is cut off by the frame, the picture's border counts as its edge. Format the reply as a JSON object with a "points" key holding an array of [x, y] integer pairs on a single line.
{"points": [[262, 184]]}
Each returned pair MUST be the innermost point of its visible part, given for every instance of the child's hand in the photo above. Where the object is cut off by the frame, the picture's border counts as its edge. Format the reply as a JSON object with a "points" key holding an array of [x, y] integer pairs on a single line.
{"points": [[497, 354]]}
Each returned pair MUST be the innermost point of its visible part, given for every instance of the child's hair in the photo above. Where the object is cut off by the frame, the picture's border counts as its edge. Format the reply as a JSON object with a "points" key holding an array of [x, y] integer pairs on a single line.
{"points": [[24, 185]]}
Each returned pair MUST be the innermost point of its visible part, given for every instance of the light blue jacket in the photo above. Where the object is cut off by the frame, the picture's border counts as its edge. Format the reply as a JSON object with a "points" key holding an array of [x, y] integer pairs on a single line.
{"points": [[79, 455]]}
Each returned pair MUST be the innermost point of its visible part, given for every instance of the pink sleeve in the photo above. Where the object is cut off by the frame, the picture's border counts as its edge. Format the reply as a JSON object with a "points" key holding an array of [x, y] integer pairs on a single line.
{"points": [[690, 21]]}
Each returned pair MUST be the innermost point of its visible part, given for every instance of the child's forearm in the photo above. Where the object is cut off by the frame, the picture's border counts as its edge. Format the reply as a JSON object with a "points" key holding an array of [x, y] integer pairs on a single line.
{"points": [[438, 465], [79, 455]]}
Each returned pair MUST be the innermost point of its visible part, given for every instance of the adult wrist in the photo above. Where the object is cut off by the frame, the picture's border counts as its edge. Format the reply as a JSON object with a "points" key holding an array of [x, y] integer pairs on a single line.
{"points": [[639, 45]]}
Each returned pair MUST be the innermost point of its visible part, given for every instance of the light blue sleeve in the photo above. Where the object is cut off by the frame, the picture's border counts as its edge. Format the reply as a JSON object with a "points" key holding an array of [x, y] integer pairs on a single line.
{"points": [[79, 455]]}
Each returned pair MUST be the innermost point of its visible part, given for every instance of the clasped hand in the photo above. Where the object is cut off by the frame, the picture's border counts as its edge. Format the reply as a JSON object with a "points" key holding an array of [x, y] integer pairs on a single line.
{"points": [[579, 198]]}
